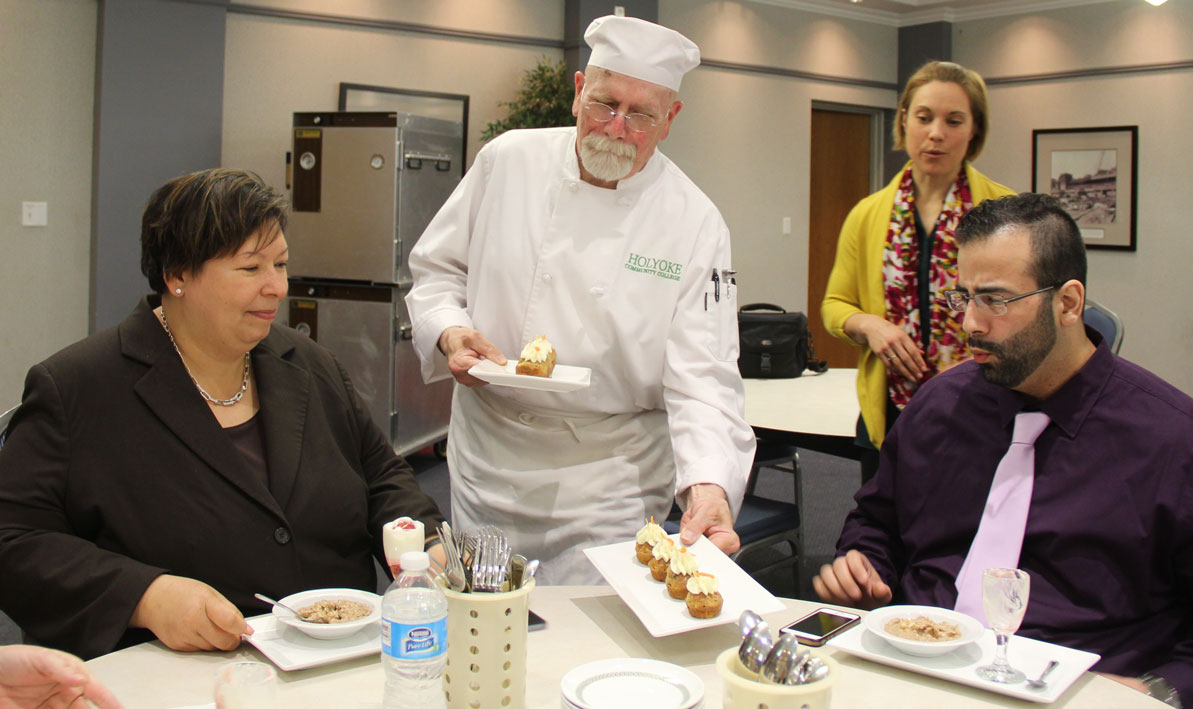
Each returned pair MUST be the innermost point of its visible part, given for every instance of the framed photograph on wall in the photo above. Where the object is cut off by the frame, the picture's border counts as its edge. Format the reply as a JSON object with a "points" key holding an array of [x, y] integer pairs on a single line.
{"points": [[1092, 172]]}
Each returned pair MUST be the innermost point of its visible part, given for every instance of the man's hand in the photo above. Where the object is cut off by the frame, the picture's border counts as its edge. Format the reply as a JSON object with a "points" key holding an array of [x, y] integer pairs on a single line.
{"points": [[709, 514], [852, 581], [1132, 682], [186, 615], [464, 349], [39, 677]]}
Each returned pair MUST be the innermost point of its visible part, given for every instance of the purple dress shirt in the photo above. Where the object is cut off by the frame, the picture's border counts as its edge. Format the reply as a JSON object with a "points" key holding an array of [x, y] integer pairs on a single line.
{"points": [[1109, 536]]}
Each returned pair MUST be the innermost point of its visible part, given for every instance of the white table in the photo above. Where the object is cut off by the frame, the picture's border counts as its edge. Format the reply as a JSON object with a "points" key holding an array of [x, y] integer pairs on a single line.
{"points": [[814, 411], [585, 623]]}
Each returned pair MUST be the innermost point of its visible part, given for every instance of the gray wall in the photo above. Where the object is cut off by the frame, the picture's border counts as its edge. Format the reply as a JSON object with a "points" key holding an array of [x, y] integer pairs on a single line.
{"points": [[158, 114], [47, 75]]}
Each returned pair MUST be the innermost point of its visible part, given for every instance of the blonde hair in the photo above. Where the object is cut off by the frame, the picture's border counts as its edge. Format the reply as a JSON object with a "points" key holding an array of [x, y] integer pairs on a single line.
{"points": [[969, 80]]}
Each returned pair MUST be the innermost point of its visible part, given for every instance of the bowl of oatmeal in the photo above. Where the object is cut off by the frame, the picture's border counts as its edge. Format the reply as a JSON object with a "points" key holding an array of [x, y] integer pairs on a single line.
{"points": [[329, 613], [923, 631]]}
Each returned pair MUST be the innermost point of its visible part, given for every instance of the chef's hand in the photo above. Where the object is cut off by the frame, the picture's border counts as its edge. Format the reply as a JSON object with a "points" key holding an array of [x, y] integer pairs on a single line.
{"points": [[39, 677], [186, 615], [708, 513], [464, 349], [852, 581], [890, 342]]}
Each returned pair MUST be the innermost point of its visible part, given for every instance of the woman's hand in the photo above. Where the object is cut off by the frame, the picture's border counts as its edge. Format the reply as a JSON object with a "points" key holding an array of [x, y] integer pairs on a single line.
{"points": [[39, 677], [890, 342], [187, 615]]}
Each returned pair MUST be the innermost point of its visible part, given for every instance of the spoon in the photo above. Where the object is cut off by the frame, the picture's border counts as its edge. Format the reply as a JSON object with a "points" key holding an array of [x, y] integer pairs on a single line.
{"points": [[532, 566], [781, 659], [1040, 683], [799, 668], [748, 620], [755, 647], [272, 602], [517, 568], [817, 673]]}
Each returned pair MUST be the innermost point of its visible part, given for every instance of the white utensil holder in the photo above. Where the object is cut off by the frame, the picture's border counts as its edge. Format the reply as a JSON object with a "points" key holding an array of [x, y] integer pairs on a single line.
{"points": [[486, 649]]}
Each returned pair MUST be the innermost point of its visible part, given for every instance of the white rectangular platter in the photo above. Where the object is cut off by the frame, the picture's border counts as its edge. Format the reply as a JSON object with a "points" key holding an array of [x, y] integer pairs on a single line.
{"points": [[659, 612], [291, 649], [1030, 656], [563, 377]]}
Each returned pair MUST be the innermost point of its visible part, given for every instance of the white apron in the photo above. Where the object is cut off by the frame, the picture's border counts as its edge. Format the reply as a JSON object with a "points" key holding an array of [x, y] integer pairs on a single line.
{"points": [[557, 485]]}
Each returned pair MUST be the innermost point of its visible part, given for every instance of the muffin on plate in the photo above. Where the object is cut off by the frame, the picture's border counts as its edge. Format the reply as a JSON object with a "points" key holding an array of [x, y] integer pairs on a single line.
{"points": [[704, 599], [648, 536], [683, 566], [660, 558]]}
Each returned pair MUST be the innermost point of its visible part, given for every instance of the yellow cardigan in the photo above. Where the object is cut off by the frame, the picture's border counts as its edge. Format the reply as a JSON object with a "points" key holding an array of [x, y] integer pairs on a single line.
{"points": [[856, 286]]}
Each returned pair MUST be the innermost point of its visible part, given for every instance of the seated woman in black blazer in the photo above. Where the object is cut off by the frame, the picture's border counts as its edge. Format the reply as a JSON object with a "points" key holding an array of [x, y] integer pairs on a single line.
{"points": [[159, 473]]}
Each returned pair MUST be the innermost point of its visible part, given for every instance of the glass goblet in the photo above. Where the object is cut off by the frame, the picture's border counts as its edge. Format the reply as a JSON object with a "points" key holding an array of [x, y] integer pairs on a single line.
{"points": [[246, 685], [1004, 599]]}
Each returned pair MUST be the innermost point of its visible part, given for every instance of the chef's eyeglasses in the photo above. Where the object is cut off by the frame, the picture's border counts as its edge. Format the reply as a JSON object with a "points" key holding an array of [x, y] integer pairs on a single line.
{"points": [[958, 300], [601, 113]]}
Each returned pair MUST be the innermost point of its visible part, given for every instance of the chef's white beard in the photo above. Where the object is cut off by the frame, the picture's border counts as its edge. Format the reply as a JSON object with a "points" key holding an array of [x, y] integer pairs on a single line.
{"points": [[606, 159]]}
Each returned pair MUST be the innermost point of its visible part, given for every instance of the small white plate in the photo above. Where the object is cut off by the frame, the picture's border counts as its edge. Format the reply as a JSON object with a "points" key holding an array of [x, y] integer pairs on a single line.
{"points": [[659, 612], [328, 631], [290, 649], [631, 683], [960, 666], [563, 377], [970, 628]]}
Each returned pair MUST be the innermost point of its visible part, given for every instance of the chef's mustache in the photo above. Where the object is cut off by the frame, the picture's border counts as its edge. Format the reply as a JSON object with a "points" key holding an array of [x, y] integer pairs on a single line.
{"points": [[605, 144]]}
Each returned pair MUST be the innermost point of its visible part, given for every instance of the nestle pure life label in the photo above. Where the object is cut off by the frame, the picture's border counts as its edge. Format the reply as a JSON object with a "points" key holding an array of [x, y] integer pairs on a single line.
{"points": [[419, 641]]}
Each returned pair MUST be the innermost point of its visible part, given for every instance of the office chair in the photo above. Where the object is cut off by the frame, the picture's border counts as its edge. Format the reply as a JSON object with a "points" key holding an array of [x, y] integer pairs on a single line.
{"points": [[762, 522], [1105, 321], [4, 419]]}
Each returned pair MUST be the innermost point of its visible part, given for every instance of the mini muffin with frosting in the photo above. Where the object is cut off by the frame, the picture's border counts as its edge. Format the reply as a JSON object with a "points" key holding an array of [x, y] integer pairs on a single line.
{"points": [[660, 558], [683, 566], [537, 358], [648, 536], [704, 598]]}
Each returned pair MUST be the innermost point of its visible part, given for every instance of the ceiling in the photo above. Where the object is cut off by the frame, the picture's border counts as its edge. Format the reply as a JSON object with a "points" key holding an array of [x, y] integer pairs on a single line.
{"points": [[911, 12]]}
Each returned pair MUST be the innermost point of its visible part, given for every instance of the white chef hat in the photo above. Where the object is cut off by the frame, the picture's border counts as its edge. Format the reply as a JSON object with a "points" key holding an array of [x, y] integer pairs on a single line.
{"points": [[641, 49]]}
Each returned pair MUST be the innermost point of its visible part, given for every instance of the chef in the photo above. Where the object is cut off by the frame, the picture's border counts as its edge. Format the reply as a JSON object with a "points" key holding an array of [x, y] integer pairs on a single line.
{"points": [[596, 240]]}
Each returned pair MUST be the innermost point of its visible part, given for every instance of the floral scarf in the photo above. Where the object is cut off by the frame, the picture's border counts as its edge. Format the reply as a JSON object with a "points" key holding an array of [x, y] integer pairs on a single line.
{"points": [[900, 269]]}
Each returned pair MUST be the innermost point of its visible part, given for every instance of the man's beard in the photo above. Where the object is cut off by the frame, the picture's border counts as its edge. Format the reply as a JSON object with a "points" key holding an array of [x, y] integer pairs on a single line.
{"points": [[1021, 355], [606, 159]]}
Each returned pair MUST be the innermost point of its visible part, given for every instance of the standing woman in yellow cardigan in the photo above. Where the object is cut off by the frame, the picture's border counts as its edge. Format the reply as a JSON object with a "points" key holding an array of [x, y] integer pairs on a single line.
{"points": [[896, 251]]}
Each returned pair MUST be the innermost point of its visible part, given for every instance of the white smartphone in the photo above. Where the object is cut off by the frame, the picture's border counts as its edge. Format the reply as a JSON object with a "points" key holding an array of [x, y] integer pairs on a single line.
{"points": [[818, 626]]}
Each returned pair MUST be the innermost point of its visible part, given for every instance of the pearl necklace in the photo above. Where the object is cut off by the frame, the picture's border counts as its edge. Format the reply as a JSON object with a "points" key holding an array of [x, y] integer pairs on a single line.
{"points": [[244, 384]]}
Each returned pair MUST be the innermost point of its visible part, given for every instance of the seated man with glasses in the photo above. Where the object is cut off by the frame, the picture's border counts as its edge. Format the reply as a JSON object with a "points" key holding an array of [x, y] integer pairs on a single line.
{"points": [[592, 237], [1094, 499]]}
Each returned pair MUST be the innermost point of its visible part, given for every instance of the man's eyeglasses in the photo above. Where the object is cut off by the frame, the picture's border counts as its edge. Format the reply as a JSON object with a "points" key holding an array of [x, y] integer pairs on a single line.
{"points": [[958, 300], [601, 113]]}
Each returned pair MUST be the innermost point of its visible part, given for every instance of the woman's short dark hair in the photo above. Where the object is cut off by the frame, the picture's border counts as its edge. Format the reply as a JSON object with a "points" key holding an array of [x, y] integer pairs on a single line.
{"points": [[1057, 249], [204, 215], [969, 80]]}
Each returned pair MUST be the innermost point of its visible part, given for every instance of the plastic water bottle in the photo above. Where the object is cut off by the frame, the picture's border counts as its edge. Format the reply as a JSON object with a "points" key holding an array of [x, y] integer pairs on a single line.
{"points": [[414, 637]]}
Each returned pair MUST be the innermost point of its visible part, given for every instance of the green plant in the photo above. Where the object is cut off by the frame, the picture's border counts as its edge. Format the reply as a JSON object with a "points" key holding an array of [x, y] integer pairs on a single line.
{"points": [[543, 101]]}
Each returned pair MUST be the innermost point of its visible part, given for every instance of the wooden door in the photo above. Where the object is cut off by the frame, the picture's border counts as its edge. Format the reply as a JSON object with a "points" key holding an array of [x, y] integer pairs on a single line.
{"points": [[840, 158]]}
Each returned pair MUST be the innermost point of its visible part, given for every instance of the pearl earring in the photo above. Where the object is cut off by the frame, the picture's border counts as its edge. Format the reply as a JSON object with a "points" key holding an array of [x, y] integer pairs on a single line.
{"points": [[178, 291]]}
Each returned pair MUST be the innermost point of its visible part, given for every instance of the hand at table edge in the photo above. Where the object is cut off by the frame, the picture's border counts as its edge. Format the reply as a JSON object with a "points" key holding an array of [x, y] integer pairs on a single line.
{"points": [[851, 580], [187, 615], [31, 676]]}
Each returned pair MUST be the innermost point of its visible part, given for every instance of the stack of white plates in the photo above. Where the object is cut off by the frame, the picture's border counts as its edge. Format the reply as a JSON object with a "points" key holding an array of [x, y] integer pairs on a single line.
{"points": [[630, 683]]}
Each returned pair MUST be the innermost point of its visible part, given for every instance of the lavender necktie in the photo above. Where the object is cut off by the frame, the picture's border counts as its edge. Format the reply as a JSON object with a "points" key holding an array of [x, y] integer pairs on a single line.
{"points": [[999, 538]]}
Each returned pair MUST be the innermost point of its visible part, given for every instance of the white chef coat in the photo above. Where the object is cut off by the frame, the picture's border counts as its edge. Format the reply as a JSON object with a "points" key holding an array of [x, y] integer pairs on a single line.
{"points": [[618, 281]]}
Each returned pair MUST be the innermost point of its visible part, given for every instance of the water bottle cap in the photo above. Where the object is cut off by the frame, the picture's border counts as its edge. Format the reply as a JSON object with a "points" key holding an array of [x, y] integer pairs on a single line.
{"points": [[414, 561]]}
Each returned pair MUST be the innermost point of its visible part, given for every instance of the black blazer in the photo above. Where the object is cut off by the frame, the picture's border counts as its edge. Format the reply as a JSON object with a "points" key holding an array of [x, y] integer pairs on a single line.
{"points": [[115, 471]]}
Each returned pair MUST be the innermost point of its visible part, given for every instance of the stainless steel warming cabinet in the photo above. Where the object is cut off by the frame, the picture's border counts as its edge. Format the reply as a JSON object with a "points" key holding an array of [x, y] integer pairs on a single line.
{"points": [[364, 187]]}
